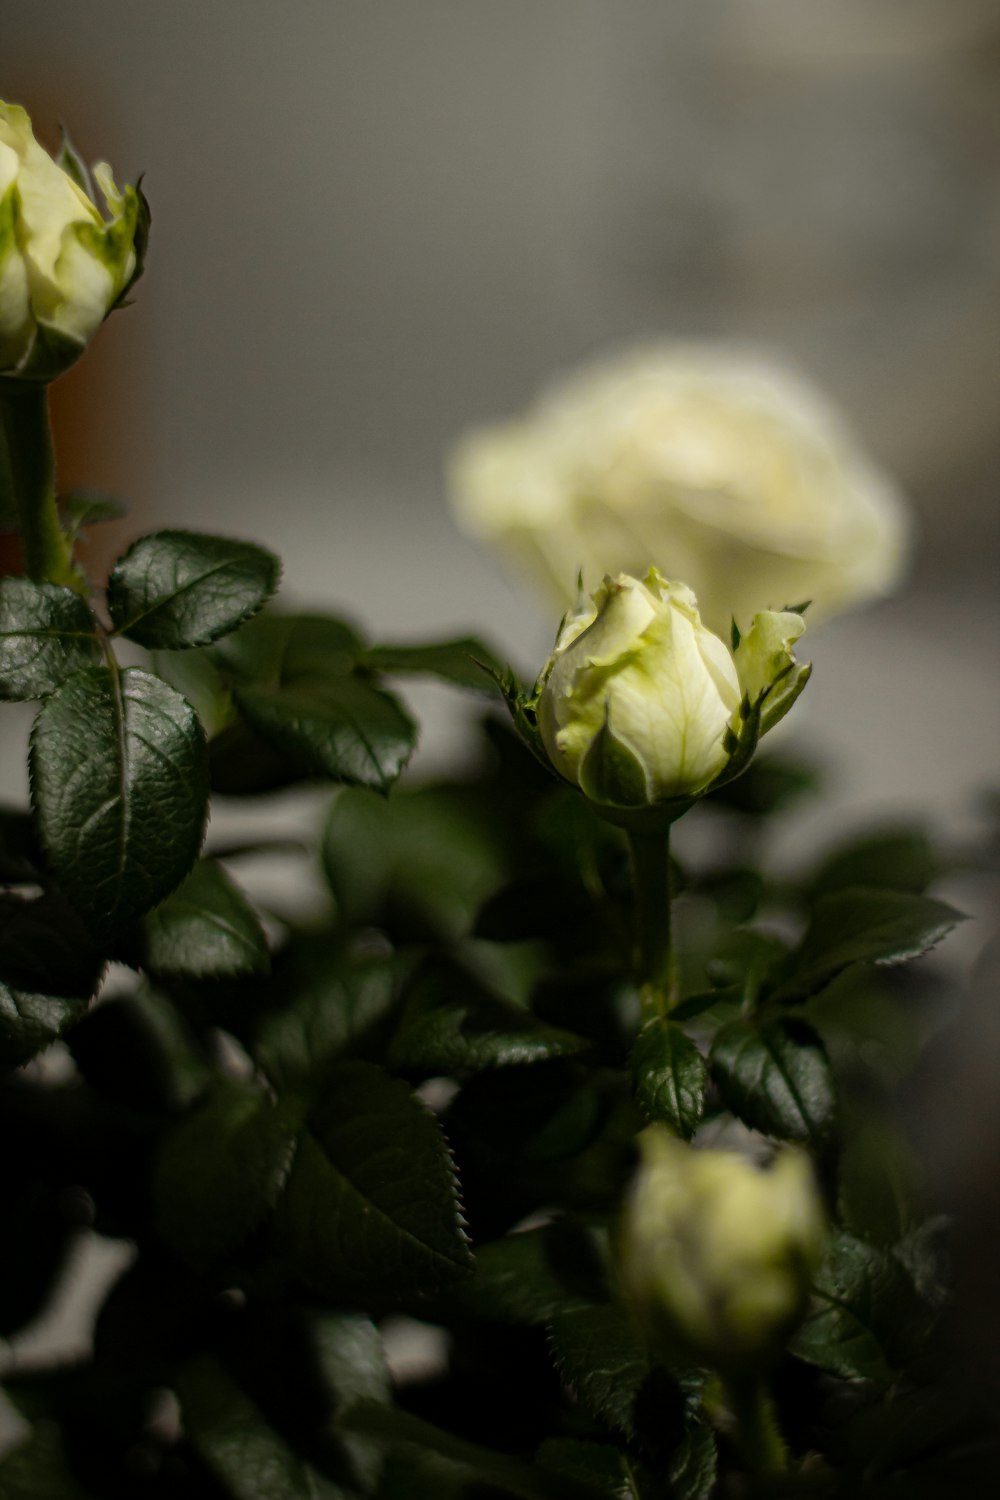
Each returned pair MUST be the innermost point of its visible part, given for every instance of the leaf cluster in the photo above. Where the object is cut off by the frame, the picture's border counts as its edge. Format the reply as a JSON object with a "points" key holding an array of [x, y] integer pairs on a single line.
{"points": [[416, 1114]]}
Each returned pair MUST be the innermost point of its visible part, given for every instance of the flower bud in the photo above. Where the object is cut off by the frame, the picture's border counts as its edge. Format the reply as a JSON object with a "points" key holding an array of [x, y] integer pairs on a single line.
{"points": [[63, 265], [640, 704], [717, 1254]]}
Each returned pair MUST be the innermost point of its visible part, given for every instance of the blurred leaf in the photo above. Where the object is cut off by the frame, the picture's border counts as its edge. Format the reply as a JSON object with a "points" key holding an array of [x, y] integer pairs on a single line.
{"points": [[220, 1171], [231, 1437], [205, 929], [669, 1076], [85, 507], [746, 961], [45, 947], [457, 661], [423, 860], [532, 1275], [275, 650], [325, 1003], [28, 1023], [39, 1470], [371, 1212], [776, 1077], [865, 1317], [46, 633], [337, 727], [900, 859], [138, 1050], [194, 675], [767, 786], [417, 1441], [174, 589], [120, 788], [601, 1356], [863, 925], [41, 1221], [450, 1025]]}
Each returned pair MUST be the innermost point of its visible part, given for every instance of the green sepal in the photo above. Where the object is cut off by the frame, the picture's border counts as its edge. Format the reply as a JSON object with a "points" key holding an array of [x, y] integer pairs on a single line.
{"points": [[610, 774], [522, 705]]}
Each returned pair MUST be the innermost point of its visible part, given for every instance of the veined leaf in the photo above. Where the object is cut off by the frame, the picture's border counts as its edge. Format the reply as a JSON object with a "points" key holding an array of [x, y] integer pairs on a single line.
{"points": [[221, 1169], [339, 727], [863, 925], [46, 633], [776, 1077], [174, 589], [465, 662], [669, 1076], [28, 1023], [206, 928], [120, 788], [371, 1211]]}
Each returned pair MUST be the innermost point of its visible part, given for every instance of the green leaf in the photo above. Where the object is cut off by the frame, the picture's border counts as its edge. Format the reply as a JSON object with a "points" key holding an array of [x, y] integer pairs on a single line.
{"points": [[601, 1355], [206, 929], [138, 1050], [863, 925], [339, 728], [465, 662], [46, 633], [531, 1276], [237, 1445], [371, 1212], [120, 787], [324, 1005], [865, 1317], [39, 1467], [220, 1171], [690, 1470], [86, 507], [902, 859], [45, 947], [435, 1464], [450, 1025], [276, 649], [174, 589], [776, 1077], [669, 1077], [28, 1023]]}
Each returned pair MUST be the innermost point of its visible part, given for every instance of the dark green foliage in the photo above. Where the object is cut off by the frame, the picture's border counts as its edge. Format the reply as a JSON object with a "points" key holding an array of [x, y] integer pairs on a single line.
{"points": [[175, 589], [46, 632], [669, 1076], [423, 1099], [120, 788]]}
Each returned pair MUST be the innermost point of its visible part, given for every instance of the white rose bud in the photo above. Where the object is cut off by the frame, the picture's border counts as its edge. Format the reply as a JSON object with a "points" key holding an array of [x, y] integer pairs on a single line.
{"points": [[717, 1254], [711, 464], [63, 265], [641, 705]]}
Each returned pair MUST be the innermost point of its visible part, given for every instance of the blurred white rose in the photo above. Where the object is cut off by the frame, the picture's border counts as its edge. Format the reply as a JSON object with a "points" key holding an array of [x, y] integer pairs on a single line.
{"points": [[707, 463]]}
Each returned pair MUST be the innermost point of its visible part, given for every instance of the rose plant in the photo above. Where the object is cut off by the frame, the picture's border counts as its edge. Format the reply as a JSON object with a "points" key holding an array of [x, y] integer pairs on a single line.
{"points": [[608, 1122]]}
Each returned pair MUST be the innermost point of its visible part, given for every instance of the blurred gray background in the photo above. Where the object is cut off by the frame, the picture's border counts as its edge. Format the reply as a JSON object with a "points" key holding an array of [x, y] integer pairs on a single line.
{"points": [[376, 221]]}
